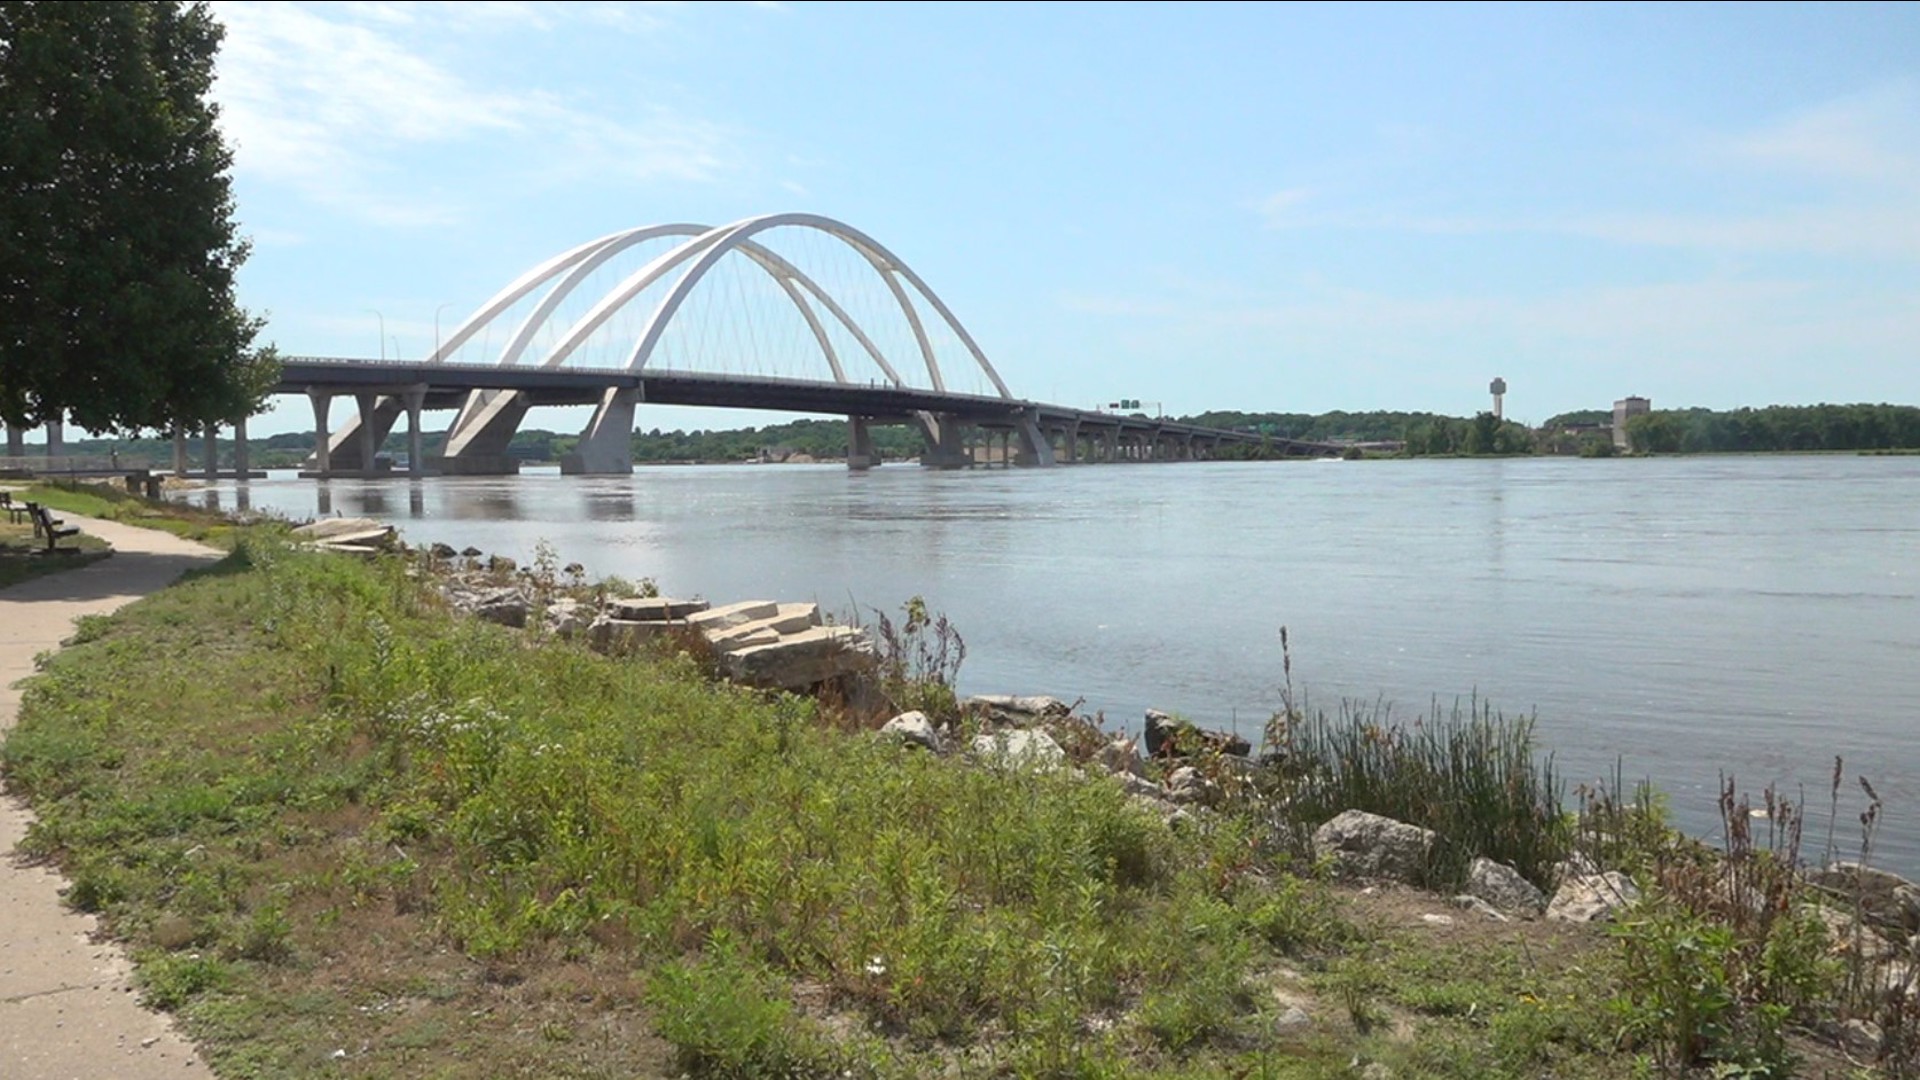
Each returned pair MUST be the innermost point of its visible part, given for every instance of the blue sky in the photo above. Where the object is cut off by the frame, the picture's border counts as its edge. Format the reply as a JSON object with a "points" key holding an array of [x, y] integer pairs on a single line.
{"points": [[1252, 207]]}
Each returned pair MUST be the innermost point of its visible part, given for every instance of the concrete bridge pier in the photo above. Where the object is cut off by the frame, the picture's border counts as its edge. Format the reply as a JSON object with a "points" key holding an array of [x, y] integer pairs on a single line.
{"points": [[372, 432], [946, 442], [414, 400], [355, 448], [1035, 451], [16, 441], [860, 452], [482, 433], [322, 437], [606, 446]]}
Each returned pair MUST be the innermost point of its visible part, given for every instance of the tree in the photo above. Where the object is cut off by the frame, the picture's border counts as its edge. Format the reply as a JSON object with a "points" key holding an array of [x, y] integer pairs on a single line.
{"points": [[117, 242]]}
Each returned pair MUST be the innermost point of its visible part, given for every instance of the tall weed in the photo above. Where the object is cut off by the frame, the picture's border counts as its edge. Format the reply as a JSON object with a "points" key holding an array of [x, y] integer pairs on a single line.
{"points": [[1469, 773]]}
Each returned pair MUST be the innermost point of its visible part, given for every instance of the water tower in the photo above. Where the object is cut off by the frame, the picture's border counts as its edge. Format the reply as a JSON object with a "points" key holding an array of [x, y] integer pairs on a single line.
{"points": [[1498, 388]]}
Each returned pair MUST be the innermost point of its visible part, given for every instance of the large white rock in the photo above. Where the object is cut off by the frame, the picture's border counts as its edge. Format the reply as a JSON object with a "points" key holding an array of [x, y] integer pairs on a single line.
{"points": [[914, 729], [1592, 897], [800, 660], [1363, 845], [1503, 887], [1019, 748]]}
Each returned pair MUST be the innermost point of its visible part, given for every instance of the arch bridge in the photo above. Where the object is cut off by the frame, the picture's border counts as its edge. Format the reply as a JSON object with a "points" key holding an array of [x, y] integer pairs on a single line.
{"points": [[790, 312]]}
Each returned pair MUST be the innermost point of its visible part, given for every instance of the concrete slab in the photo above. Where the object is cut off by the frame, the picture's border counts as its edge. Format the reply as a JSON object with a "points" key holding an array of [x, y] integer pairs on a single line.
{"points": [[731, 615], [654, 608], [67, 1007]]}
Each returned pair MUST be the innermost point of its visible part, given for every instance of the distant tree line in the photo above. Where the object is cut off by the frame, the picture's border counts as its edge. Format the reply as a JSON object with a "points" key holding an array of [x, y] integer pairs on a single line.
{"points": [[1776, 427], [1422, 433], [1334, 426]]}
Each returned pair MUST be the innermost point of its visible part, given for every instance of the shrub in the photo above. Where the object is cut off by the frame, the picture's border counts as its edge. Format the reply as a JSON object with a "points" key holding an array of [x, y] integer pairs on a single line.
{"points": [[726, 1018], [1469, 774]]}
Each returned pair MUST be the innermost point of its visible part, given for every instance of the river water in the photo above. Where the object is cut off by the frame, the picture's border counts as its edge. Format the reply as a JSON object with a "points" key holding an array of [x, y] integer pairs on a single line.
{"points": [[1687, 617]]}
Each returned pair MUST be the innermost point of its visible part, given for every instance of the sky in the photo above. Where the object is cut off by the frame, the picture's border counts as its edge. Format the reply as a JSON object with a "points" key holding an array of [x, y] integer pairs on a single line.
{"points": [[1254, 207]]}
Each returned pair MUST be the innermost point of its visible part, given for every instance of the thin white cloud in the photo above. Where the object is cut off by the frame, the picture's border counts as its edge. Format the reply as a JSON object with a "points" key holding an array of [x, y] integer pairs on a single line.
{"points": [[1871, 138], [325, 100], [1279, 210]]}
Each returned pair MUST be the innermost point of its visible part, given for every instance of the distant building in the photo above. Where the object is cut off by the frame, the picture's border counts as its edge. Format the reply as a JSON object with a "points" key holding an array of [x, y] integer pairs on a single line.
{"points": [[1624, 410], [1498, 388]]}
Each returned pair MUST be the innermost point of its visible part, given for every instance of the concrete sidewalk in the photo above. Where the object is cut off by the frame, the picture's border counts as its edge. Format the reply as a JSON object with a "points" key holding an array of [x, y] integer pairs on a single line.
{"points": [[67, 1006]]}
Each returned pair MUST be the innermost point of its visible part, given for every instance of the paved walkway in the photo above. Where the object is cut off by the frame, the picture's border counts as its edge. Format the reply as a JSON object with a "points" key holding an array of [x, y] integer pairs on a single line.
{"points": [[67, 1006]]}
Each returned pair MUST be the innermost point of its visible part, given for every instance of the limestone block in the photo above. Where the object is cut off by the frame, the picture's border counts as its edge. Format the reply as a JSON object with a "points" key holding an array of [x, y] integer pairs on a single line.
{"points": [[1592, 897], [1363, 845], [653, 608], [1019, 748], [607, 633], [1016, 709], [1503, 887], [731, 615], [803, 659]]}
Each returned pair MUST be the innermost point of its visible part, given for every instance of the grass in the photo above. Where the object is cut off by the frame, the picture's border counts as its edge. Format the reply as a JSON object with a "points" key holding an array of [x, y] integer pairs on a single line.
{"points": [[328, 815], [299, 772], [112, 504]]}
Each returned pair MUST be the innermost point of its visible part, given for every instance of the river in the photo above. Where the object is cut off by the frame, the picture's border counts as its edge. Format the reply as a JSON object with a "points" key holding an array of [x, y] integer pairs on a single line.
{"points": [[1688, 617]]}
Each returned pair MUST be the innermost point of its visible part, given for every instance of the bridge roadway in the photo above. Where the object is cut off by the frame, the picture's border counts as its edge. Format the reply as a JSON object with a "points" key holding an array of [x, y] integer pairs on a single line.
{"points": [[1045, 432]]}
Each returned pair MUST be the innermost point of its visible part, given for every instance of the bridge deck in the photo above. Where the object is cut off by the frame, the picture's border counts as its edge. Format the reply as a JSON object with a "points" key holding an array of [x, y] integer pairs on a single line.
{"points": [[445, 383]]}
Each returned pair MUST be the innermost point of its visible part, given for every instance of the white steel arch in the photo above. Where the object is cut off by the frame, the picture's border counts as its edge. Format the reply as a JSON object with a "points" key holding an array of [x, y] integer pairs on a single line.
{"points": [[702, 249]]}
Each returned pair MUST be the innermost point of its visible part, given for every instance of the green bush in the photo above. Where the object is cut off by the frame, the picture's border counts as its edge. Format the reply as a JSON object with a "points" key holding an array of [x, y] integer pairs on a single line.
{"points": [[726, 1018]]}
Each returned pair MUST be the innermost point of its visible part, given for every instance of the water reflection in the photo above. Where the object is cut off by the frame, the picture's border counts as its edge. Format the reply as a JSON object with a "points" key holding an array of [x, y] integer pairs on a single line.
{"points": [[609, 505], [1614, 597], [470, 500]]}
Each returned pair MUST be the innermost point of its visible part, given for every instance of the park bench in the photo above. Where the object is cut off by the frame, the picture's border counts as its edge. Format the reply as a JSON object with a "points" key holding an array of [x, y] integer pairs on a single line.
{"points": [[15, 511], [48, 526]]}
